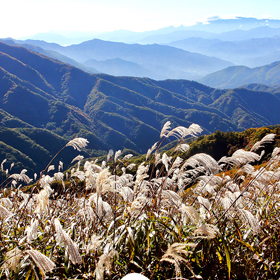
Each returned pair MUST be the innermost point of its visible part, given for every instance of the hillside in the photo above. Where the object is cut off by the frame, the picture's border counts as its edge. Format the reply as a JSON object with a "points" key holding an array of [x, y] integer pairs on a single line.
{"points": [[45, 97], [237, 76]]}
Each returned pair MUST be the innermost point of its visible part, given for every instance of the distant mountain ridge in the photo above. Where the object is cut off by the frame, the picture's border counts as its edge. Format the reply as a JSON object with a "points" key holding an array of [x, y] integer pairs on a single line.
{"points": [[237, 76], [55, 101], [155, 61]]}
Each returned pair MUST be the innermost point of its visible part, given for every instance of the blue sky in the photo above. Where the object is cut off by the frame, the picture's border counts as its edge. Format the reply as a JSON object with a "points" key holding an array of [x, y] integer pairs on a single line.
{"points": [[27, 17]]}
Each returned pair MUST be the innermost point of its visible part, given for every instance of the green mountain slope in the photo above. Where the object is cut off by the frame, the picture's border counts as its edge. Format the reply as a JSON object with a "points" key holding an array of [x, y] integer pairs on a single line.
{"points": [[237, 76], [44, 103]]}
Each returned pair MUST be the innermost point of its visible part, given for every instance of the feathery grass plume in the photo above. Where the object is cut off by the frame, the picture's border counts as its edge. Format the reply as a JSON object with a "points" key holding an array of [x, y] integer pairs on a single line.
{"points": [[31, 231], [210, 164], [151, 150], [94, 244], [181, 132], [12, 259], [42, 262], [126, 193], [59, 176], [77, 158], [131, 166], [12, 165], [182, 148], [141, 174], [103, 208], [6, 202], [43, 199], [243, 157], [109, 155], [117, 154], [88, 213], [205, 206], [176, 254], [77, 143], [189, 212], [251, 219], [208, 184], [171, 199], [46, 180], [2, 164], [195, 129], [165, 129], [60, 166], [166, 160], [208, 231], [104, 262], [5, 213], [21, 176], [50, 168], [269, 138], [79, 174], [127, 157], [63, 239], [103, 182]]}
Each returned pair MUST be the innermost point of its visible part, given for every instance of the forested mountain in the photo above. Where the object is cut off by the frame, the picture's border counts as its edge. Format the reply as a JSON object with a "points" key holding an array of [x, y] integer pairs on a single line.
{"points": [[236, 76], [44, 103]]}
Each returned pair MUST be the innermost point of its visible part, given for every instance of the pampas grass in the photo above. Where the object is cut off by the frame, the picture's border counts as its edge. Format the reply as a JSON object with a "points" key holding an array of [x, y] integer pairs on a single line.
{"points": [[171, 219]]}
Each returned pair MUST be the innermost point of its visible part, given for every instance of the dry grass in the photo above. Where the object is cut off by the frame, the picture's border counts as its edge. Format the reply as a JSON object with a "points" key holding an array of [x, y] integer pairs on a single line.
{"points": [[193, 219]]}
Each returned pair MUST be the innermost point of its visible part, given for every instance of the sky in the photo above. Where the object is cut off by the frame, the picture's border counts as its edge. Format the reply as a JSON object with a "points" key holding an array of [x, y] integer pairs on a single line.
{"points": [[21, 18]]}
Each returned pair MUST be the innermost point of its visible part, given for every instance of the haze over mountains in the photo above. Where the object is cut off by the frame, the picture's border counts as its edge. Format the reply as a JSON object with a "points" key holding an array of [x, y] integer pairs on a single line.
{"points": [[119, 95]]}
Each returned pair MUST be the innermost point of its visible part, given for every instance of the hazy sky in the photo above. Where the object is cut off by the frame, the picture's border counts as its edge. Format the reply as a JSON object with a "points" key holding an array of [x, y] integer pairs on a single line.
{"points": [[27, 17]]}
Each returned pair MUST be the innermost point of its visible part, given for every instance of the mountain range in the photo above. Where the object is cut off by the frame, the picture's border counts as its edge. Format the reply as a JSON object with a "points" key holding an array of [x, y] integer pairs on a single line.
{"points": [[153, 61], [45, 103]]}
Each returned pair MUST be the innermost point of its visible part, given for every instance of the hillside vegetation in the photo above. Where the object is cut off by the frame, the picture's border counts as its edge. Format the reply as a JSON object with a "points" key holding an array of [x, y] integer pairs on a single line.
{"points": [[196, 217], [61, 102]]}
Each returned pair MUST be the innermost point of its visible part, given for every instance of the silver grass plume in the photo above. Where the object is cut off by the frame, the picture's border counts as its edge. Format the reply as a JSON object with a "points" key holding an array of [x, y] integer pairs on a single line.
{"points": [[31, 231], [2, 164], [265, 140], [182, 148], [42, 262], [117, 154], [21, 176], [190, 213], [104, 262], [251, 219], [5, 213], [77, 158], [201, 159], [127, 157], [177, 253], [110, 154], [60, 166], [6, 202], [12, 165], [243, 157], [77, 143], [63, 239], [103, 182], [12, 259], [208, 231], [58, 176], [79, 174], [166, 160], [165, 129], [151, 150], [94, 244], [171, 199], [50, 168]]}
